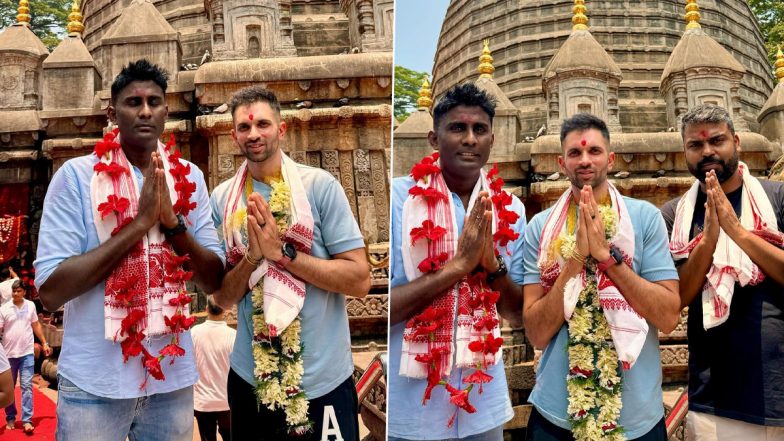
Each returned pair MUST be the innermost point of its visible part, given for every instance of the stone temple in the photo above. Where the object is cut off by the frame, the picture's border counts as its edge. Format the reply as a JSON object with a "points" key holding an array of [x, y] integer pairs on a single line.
{"points": [[638, 65], [328, 61]]}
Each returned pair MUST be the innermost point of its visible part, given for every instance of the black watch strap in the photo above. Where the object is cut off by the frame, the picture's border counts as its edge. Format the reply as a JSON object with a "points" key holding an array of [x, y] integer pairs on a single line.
{"points": [[500, 272], [180, 228]]}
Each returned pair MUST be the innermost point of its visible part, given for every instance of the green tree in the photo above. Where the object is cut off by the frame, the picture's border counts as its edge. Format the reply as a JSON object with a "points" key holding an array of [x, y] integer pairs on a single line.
{"points": [[770, 16], [49, 18], [407, 85]]}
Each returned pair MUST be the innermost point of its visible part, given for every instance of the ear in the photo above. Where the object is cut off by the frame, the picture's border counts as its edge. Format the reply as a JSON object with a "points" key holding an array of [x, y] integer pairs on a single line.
{"points": [[234, 135], [737, 143], [492, 140], [610, 160], [111, 113], [561, 164], [282, 130], [432, 138]]}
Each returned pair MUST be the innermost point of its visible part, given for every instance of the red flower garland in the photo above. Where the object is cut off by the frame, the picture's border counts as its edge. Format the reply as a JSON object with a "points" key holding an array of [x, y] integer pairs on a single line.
{"points": [[430, 319], [132, 326]]}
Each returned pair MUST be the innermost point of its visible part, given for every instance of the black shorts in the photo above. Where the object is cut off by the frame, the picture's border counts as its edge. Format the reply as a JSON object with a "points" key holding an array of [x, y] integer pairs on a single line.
{"points": [[332, 414]]}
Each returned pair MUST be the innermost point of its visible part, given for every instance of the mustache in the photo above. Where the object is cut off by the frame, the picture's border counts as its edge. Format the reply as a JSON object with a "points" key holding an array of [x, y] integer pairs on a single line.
{"points": [[711, 161]]}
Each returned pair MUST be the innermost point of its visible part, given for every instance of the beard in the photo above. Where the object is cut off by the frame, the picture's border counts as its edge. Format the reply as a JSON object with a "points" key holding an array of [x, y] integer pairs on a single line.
{"points": [[726, 171], [269, 150], [599, 176]]}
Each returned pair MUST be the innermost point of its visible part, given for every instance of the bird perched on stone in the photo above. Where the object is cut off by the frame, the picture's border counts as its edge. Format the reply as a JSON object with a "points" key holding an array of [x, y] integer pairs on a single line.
{"points": [[537, 177], [529, 139], [354, 50], [304, 105], [341, 102], [671, 129], [622, 174], [659, 174], [206, 57], [542, 131], [554, 177], [223, 108]]}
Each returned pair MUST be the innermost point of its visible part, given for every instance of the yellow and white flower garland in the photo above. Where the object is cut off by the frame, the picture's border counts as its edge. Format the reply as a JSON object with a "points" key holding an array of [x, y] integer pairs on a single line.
{"points": [[279, 367], [593, 381]]}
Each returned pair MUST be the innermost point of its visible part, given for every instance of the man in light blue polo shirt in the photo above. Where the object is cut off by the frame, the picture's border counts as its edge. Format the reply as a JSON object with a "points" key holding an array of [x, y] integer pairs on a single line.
{"points": [[463, 136], [334, 266], [100, 394], [649, 285]]}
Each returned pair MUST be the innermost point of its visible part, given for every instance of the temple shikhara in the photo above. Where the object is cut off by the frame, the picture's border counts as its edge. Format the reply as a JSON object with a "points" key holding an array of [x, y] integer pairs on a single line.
{"points": [[637, 65], [328, 61]]}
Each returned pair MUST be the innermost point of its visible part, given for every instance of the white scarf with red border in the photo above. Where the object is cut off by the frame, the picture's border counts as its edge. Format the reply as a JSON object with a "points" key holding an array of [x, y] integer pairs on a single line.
{"points": [[730, 264], [455, 299], [628, 328]]}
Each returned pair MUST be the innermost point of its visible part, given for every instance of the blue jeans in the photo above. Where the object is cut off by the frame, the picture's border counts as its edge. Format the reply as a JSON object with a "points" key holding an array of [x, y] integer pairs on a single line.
{"points": [[82, 416], [22, 367], [496, 434]]}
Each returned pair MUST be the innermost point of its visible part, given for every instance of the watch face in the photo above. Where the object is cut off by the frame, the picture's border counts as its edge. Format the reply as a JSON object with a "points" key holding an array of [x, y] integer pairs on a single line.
{"points": [[617, 255], [289, 250]]}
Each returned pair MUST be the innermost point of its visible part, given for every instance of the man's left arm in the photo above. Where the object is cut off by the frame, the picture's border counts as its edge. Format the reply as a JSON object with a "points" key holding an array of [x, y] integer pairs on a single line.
{"points": [[200, 240], [654, 292], [39, 332], [510, 304]]}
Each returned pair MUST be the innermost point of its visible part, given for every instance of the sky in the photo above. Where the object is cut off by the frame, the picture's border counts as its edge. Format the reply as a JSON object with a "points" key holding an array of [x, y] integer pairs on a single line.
{"points": [[417, 25]]}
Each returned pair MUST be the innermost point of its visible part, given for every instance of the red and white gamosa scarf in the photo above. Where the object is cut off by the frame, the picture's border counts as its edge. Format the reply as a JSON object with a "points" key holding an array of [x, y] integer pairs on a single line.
{"points": [[730, 264]]}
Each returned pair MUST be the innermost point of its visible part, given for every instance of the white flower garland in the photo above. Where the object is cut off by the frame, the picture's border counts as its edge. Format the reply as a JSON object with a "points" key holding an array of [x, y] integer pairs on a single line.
{"points": [[593, 382], [279, 367]]}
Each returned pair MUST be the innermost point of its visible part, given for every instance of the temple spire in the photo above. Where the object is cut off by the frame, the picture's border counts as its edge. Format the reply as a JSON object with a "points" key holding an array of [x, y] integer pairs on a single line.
{"points": [[780, 66], [486, 68], [75, 26], [692, 15], [23, 13], [579, 19], [425, 99]]}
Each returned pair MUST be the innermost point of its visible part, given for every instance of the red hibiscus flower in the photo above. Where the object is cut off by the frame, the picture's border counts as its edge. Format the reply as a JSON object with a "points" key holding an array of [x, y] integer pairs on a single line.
{"points": [[132, 346], [508, 216], [171, 142], [432, 264], [153, 366], [113, 169], [175, 157], [501, 199], [430, 194], [181, 300], [172, 350], [490, 345], [113, 204], [185, 188], [424, 168], [180, 171], [179, 322], [428, 231], [179, 276], [433, 378], [504, 235], [183, 206], [134, 316], [478, 377], [486, 322], [174, 262], [493, 172], [107, 144]]}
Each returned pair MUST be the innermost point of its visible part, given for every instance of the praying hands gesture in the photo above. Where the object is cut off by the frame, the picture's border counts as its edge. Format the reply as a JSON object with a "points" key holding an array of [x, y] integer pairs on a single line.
{"points": [[475, 245], [155, 204], [591, 239], [718, 211], [263, 235]]}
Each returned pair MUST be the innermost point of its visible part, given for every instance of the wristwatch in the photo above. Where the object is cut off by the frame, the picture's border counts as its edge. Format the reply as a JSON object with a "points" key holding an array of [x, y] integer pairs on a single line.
{"points": [[180, 228], [615, 258], [500, 272], [289, 254]]}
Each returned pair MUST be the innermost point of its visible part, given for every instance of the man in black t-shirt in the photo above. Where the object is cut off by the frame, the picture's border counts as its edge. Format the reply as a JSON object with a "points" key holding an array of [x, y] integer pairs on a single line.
{"points": [[727, 246]]}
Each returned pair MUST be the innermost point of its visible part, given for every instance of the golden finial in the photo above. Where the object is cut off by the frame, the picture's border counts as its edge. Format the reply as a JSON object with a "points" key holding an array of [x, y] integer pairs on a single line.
{"points": [[579, 19], [425, 99], [692, 15], [486, 68], [75, 26], [23, 13], [780, 66]]}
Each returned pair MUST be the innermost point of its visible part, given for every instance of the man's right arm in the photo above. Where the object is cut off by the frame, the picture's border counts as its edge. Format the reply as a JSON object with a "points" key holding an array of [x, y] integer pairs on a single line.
{"points": [[63, 237], [543, 313], [413, 297]]}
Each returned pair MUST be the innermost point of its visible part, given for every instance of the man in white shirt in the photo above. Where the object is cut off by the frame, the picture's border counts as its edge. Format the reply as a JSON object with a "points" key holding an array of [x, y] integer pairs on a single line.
{"points": [[213, 341], [18, 322], [8, 276]]}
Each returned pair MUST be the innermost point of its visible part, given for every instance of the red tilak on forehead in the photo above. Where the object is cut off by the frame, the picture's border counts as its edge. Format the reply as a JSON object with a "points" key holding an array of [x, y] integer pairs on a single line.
{"points": [[704, 133], [583, 142], [251, 117]]}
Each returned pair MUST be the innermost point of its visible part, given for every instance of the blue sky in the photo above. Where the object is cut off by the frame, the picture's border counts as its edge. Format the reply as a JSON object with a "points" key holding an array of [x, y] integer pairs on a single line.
{"points": [[417, 25]]}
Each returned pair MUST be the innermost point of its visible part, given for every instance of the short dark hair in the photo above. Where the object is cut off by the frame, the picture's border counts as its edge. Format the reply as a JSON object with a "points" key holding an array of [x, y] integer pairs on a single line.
{"points": [[253, 94], [212, 308], [139, 70], [4, 273], [582, 122], [18, 284], [707, 113], [464, 95]]}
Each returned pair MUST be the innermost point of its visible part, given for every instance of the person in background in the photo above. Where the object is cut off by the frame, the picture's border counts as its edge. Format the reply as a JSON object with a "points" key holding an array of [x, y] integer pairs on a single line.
{"points": [[8, 276], [18, 322], [6, 382], [213, 341]]}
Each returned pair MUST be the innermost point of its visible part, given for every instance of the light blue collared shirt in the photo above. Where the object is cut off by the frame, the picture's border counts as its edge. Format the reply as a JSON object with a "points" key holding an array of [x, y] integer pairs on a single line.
{"points": [[87, 359], [406, 416]]}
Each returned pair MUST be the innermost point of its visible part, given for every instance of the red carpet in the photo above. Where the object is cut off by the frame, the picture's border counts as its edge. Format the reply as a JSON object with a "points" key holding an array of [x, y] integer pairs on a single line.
{"points": [[43, 420]]}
